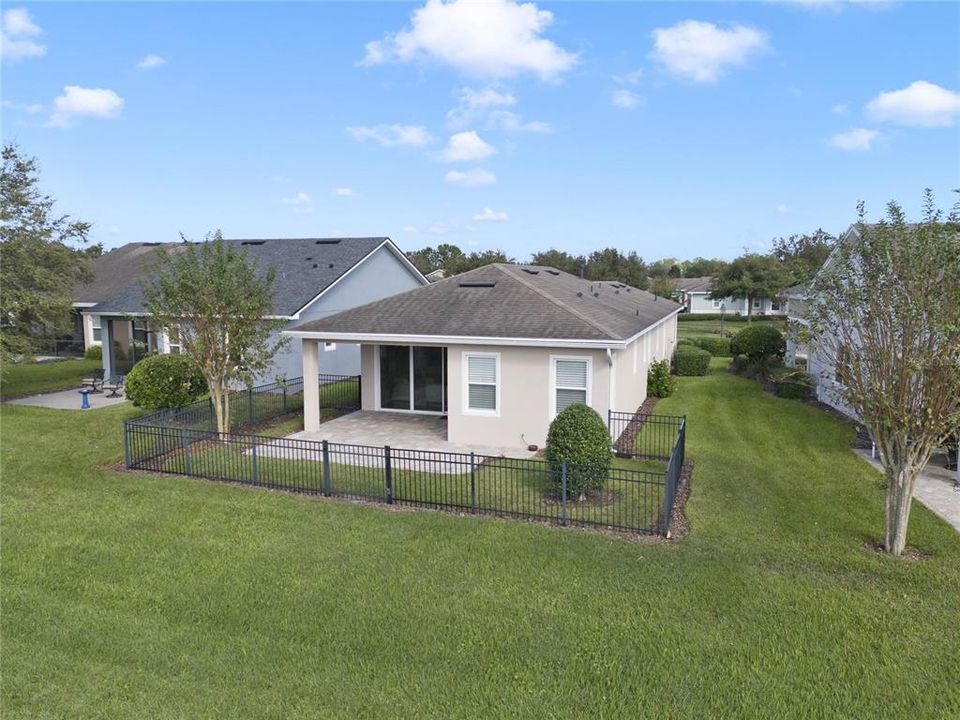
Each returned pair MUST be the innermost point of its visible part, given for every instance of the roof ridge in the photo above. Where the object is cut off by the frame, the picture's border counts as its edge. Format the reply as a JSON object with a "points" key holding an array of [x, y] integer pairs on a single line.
{"points": [[556, 301]]}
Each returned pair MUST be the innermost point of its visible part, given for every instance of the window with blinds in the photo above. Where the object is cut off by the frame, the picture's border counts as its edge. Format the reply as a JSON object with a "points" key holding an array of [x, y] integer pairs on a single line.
{"points": [[482, 382], [570, 382]]}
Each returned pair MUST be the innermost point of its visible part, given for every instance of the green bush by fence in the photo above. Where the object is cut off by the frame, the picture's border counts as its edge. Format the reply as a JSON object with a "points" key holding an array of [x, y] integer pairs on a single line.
{"points": [[716, 346], [94, 352], [160, 382], [579, 437], [660, 383]]}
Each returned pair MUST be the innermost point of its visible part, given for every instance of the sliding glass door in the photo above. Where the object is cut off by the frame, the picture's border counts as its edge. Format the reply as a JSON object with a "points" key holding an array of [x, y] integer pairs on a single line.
{"points": [[413, 378]]}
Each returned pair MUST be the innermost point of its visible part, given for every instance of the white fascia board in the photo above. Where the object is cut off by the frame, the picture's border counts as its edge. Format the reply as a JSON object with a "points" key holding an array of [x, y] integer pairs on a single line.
{"points": [[392, 247], [84, 304], [400, 339], [647, 329]]}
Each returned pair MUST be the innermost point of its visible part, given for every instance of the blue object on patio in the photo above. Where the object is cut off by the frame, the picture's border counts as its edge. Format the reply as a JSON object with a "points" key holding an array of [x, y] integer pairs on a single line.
{"points": [[85, 405]]}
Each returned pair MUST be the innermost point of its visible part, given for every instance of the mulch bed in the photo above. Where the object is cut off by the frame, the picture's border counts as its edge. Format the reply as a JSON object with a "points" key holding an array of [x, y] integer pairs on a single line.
{"points": [[679, 526], [624, 445]]}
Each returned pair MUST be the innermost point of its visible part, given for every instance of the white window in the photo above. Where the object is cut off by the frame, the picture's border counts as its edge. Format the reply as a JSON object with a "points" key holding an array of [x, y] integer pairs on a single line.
{"points": [[756, 303], [571, 382], [174, 347], [716, 304], [329, 346], [775, 305], [482, 374], [97, 328]]}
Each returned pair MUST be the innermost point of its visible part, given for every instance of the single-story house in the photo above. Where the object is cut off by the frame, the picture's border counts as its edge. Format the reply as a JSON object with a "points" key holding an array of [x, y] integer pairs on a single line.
{"points": [[797, 324], [695, 297], [315, 277], [499, 350]]}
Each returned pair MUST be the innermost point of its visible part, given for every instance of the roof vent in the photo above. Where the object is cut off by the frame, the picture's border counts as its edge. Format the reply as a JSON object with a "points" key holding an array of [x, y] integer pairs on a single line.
{"points": [[315, 266], [553, 272], [579, 294], [478, 284], [151, 244], [531, 272], [330, 265], [596, 294], [326, 242], [253, 242]]}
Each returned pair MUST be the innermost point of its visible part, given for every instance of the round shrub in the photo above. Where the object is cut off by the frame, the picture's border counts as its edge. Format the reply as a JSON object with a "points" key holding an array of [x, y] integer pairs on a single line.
{"points": [[759, 342], [685, 341], [579, 436], [164, 381], [660, 383], [691, 361], [94, 352], [793, 384], [716, 346]]}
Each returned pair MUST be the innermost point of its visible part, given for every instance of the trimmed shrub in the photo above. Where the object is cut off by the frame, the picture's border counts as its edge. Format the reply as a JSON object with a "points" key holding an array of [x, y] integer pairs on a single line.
{"points": [[579, 436], [660, 383], [692, 317], [94, 352], [716, 346], [686, 341], [792, 383], [164, 381], [760, 343], [691, 361]]}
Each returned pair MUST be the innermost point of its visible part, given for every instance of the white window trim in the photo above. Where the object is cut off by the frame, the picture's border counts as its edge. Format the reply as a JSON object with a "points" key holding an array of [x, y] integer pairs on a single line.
{"points": [[465, 391], [99, 320], [553, 380], [329, 346]]}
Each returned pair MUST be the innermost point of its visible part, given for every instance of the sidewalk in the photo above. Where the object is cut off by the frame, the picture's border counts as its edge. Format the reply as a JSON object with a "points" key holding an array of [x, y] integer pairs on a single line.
{"points": [[67, 400]]}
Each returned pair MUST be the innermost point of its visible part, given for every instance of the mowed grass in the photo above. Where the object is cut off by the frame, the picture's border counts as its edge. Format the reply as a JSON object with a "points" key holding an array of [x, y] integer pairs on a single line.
{"points": [[136, 595], [20, 379], [711, 328]]}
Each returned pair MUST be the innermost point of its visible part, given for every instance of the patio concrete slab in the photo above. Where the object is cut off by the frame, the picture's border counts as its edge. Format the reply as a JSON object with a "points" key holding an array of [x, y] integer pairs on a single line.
{"points": [[400, 431], [937, 487], [68, 400]]}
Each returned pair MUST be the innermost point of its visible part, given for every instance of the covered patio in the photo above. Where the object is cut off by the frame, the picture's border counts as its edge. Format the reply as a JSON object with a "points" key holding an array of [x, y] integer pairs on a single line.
{"points": [[406, 431]]}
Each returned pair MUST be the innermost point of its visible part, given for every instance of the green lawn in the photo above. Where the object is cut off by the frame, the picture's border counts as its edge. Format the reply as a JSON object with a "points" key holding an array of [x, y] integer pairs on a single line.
{"points": [[136, 595], [694, 328], [19, 379]]}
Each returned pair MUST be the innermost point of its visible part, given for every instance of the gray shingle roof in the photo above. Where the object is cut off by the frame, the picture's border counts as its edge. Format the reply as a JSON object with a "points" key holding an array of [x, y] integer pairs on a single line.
{"points": [[695, 285], [305, 267], [507, 301]]}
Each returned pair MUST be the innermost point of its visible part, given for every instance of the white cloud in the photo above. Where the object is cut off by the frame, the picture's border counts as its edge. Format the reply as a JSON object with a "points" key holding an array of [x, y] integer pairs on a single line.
{"points": [[856, 140], [410, 229], [701, 51], [783, 209], [343, 191], [490, 215], [920, 104], [839, 109], [439, 229], [84, 102], [29, 108], [512, 122], [473, 104], [301, 202], [630, 78], [626, 99], [150, 62], [115, 230], [495, 38], [466, 147], [471, 178], [392, 135], [17, 33]]}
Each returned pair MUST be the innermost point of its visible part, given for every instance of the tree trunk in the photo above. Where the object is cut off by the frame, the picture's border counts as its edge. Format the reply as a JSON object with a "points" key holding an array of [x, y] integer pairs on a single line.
{"points": [[901, 478]]}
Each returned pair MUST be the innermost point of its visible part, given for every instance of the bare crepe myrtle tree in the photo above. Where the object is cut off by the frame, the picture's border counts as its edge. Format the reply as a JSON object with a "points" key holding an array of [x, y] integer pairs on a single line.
{"points": [[220, 303], [885, 312]]}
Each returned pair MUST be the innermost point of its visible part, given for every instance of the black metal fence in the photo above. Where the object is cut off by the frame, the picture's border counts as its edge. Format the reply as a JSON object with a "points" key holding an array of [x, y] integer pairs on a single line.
{"points": [[638, 491], [644, 435], [259, 404]]}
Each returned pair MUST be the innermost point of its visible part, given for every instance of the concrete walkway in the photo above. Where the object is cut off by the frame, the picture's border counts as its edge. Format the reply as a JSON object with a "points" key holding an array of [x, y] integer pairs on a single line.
{"points": [[937, 487], [68, 400]]}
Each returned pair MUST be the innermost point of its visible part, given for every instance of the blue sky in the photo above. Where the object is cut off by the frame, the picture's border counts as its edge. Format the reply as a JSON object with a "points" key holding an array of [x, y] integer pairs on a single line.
{"points": [[670, 129]]}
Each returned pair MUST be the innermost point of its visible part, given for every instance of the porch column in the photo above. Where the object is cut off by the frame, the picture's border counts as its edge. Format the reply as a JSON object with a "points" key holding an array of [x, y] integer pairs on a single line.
{"points": [[311, 385], [106, 345]]}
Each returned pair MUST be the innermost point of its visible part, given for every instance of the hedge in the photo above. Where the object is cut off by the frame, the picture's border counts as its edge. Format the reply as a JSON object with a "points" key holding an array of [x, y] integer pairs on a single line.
{"points": [[792, 383], [579, 436], [164, 381], [716, 346], [94, 352], [691, 361], [760, 343], [735, 317]]}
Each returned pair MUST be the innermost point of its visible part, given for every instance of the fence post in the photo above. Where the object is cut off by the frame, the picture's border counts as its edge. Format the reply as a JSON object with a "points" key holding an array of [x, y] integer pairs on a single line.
{"points": [[185, 447], [389, 473], [249, 404], [126, 445], [563, 491], [284, 399], [254, 470], [473, 485], [327, 480]]}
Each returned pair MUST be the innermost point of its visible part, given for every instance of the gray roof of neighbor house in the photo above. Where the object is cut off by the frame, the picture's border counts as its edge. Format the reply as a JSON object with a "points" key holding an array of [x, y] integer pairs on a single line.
{"points": [[305, 268], [695, 285], [116, 270], [506, 301]]}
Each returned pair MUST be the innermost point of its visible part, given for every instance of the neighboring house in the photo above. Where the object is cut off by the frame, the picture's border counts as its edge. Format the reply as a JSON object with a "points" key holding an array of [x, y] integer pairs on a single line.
{"points": [[796, 297], [499, 350], [695, 297], [438, 274], [315, 277]]}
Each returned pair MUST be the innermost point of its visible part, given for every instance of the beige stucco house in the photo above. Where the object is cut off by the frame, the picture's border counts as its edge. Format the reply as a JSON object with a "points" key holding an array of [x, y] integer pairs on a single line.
{"points": [[499, 350]]}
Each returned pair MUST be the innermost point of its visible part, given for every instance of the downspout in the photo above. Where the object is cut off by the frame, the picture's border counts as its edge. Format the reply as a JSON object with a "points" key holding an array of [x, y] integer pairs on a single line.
{"points": [[610, 385]]}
